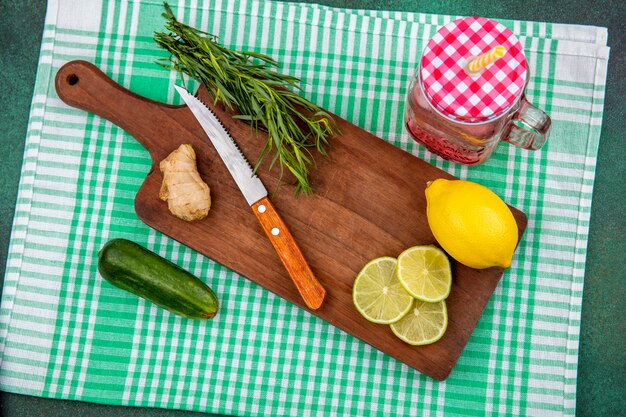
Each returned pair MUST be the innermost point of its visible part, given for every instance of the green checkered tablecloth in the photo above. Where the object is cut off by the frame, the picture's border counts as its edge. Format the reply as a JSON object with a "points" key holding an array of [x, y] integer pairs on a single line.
{"points": [[66, 333]]}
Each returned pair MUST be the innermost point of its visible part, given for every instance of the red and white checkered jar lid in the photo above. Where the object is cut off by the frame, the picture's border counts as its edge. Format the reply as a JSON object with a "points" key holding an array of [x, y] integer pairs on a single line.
{"points": [[472, 98]]}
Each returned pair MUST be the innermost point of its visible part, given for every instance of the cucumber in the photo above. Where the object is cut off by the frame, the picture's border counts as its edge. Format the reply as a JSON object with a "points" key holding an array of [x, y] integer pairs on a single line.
{"points": [[134, 268]]}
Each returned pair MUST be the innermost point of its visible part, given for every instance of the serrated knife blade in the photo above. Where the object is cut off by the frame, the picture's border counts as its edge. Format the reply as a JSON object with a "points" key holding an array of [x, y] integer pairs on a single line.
{"points": [[255, 193], [250, 185]]}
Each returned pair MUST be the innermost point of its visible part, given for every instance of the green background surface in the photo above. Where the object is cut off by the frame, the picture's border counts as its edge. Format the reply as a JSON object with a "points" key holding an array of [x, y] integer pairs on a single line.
{"points": [[602, 365]]}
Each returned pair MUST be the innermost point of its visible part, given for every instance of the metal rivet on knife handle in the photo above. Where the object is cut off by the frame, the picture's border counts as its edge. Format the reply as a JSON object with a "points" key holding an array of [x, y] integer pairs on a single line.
{"points": [[289, 253]]}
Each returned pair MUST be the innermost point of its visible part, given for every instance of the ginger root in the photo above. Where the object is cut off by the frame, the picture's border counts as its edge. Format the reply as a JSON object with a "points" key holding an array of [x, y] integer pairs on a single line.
{"points": [[187, 196]]}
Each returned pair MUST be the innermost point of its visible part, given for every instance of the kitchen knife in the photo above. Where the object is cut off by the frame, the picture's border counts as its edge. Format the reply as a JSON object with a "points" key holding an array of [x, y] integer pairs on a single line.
{"points": [[255, 194]]}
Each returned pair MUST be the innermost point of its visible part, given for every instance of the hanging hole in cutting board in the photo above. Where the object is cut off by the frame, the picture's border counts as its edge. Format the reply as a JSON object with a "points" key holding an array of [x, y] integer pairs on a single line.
{"points": [[72, 79]]}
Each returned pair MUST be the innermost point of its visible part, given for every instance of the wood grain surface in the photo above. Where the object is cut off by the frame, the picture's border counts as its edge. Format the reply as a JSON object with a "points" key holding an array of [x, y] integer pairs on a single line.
{"points": [[368, 202]]}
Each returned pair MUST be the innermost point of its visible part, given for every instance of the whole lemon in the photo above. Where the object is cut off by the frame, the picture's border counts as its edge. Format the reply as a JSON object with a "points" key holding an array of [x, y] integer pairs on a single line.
{"points": [[471, 223]]}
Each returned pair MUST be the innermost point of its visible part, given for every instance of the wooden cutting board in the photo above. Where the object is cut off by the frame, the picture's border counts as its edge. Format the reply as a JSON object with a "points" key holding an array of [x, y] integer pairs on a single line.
{"points": [[368, 202]]}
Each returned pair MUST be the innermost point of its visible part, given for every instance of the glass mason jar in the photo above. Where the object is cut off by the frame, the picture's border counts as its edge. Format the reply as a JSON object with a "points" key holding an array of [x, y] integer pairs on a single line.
{"points": [[462, 116]]}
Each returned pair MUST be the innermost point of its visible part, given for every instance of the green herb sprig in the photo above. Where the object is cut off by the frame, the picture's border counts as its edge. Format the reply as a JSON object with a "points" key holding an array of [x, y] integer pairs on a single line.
{"points": [[246, 82]]}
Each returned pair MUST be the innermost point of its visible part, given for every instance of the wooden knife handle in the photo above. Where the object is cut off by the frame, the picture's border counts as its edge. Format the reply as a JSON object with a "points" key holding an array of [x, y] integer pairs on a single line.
{"points": [[308, 286]]}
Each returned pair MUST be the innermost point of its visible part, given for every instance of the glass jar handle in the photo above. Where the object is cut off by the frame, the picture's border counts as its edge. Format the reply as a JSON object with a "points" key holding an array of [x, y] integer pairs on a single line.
{"points": [[529, 127]]}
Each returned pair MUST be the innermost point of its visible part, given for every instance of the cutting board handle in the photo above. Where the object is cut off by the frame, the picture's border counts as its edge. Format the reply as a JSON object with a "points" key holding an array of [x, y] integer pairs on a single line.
{"points": [[81, 84]]}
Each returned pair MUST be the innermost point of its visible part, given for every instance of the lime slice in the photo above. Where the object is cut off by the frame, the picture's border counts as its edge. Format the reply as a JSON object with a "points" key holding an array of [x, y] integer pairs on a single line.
{"points": [[378, 295], [424, 324], [424, 271]]}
